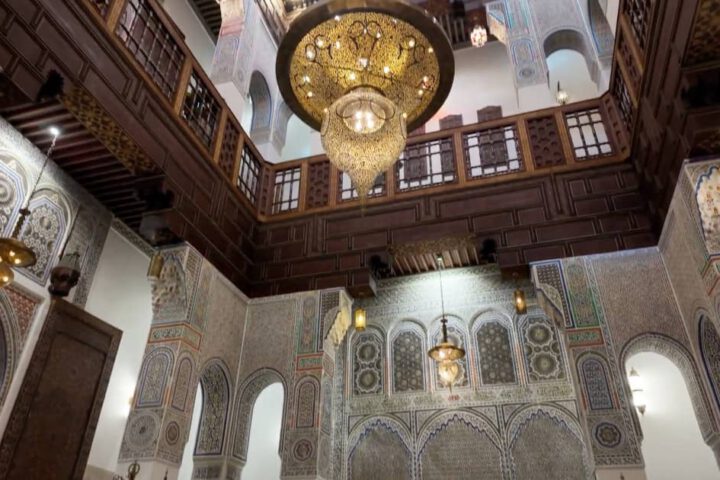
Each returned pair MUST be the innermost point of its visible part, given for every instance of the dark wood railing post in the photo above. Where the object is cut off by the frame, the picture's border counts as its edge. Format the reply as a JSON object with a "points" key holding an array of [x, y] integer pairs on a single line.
{"points": [[568, 151], [459, 152], [528, 163], [182, 84], [112, 17]]}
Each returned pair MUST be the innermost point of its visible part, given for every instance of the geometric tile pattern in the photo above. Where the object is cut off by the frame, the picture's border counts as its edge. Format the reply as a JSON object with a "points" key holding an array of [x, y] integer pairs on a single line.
{"points": [[408, 358], [495, 354]]}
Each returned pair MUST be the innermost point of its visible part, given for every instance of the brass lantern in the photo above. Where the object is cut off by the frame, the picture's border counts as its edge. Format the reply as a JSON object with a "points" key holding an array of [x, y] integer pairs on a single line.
{"points": [[360, 319]]}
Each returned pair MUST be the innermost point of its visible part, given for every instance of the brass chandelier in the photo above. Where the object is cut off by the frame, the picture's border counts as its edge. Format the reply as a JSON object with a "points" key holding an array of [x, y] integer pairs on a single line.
{"points": [[363, 72]]}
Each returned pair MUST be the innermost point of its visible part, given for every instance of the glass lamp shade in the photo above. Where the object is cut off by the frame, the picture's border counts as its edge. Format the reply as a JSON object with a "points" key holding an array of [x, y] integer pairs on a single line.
{"points": [[15, 253], [446, 351], [448, 371], [360, 319], [363, 134], [6, 274]]}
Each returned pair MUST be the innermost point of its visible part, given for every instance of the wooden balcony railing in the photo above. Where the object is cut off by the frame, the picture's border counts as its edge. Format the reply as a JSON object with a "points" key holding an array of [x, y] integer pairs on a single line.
{"points": [[555, 139]]}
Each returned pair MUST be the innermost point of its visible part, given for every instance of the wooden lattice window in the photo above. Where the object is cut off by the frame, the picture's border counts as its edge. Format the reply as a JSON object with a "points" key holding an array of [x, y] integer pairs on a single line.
{"points": [[152, 45], [638, 14], [200, 109], [588, 135], [249, 174], [228, 149], [347, 192], [425, 165], [101, 6], [622, 96], [286, 193], [492, 151]]}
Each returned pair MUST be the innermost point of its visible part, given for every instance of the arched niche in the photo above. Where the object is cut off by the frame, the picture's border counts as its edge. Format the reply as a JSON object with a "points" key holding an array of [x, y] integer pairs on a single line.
{"points": [[408, 357], [454, 435], [458, 334], [262, 107], [557, 431], [9, 344], [379, 438], [367, 354], [495, 345]]}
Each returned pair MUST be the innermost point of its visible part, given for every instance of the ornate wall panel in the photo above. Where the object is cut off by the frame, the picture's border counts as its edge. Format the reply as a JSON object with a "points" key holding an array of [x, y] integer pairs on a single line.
{"points": [[216, 401], [543, 356], [318, 192], [306, 402], [12, 192], [408, 355], [710, 350], [154, 375], [593, 372], [545, 141], [495, 354], [44, 230], [368, 363], [183, 380]]}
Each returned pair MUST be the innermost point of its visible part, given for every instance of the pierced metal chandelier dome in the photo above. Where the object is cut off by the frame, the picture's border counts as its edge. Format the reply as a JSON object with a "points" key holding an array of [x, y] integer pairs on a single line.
{"points": [[363, 72]]}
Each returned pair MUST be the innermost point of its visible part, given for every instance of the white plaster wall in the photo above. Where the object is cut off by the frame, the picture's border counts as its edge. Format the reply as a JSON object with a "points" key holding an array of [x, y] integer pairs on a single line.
{"points": [[263, 459], [197, 38], [186, 467], [120, 295], [672, 446], [301, 140], [483, 76], [570, 69]]}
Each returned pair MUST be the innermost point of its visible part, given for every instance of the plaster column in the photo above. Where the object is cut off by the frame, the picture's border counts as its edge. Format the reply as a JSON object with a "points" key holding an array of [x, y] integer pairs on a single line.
{"points": [[159, 423]]}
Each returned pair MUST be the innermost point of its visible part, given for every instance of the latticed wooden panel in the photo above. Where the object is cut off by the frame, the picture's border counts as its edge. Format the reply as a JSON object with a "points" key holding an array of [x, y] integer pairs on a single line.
{"points": [[318, 186], [249, 174], [201, 109], [228, 149], [628, 60], [347, 192], [638, 14], [704, 44], [425, 165], [152, 45], [286, 192], [588, 134], [545, 142], [624, 102], [101, 6], [492, 151]]}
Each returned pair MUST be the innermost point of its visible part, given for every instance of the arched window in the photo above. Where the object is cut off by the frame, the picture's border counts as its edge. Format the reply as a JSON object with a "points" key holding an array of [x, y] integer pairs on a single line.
{"points": [[408, 359], [495, 354]]}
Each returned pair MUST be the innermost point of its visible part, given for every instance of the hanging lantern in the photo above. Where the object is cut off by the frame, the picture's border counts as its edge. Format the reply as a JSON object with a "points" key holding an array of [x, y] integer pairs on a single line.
{"points": [[358, 72], [446, 353], [561, 96], [478, 36], [360, 320], [15, 253], [638, 393]]}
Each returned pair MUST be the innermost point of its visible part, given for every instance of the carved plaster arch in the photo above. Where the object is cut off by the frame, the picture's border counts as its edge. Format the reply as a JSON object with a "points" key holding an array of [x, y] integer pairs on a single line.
{"points": [[572, 39], [602, 361], [679, 355], [245, 398], [521, 418], [360, 430], [306, 416], [154, 375], [473, 419]]}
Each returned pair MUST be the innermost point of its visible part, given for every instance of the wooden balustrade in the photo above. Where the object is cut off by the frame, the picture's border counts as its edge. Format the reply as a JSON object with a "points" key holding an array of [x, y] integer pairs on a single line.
{"points": [[510, 148]]}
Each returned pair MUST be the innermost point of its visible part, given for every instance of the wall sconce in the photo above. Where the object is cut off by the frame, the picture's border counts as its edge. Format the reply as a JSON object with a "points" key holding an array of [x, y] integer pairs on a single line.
{"points": [[360, 319], [638, 394], [561, 96]]}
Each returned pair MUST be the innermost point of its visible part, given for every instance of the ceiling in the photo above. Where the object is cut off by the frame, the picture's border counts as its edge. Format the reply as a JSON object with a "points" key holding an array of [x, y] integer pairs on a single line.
{"points": [[209, 13]]}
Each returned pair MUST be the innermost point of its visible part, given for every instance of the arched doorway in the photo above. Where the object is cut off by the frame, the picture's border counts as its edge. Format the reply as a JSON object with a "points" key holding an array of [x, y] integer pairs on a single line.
{"points": [[571, 62], [263, 459], [673, 445], [186, 467]]}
